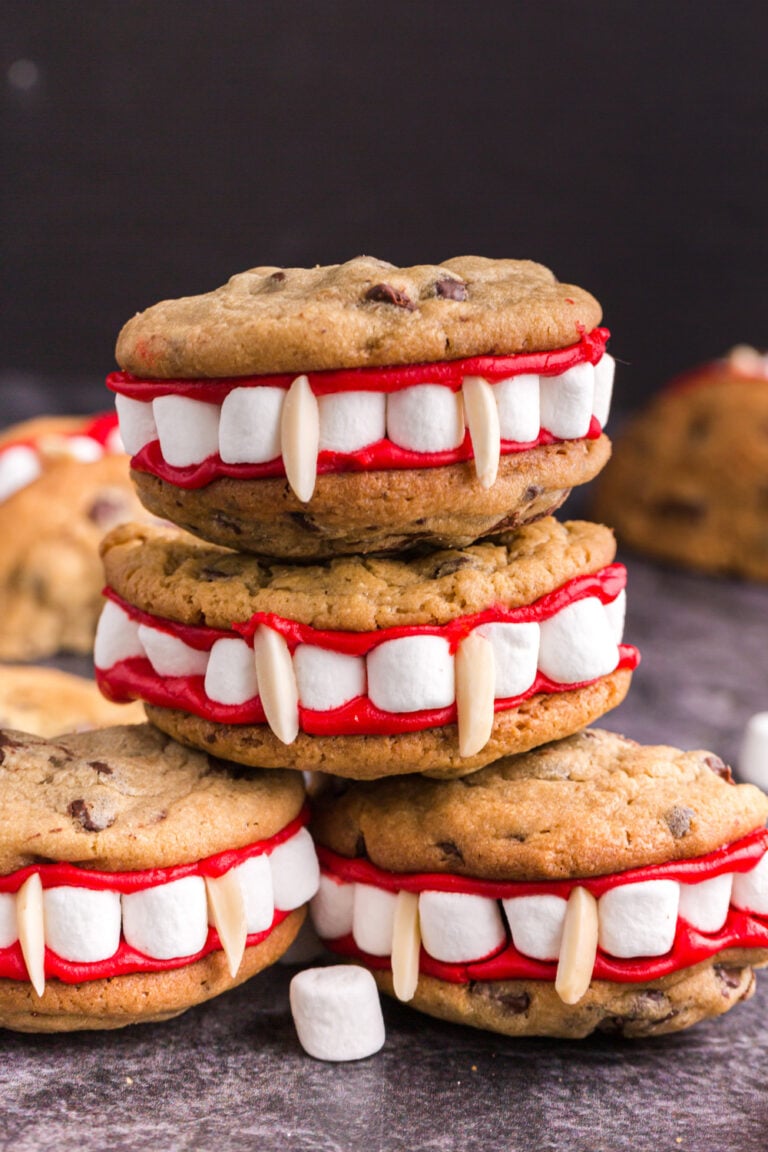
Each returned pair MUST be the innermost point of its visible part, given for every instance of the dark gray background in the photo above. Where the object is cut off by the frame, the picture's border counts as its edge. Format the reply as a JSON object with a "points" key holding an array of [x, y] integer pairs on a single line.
{"points": [[154, 148]]}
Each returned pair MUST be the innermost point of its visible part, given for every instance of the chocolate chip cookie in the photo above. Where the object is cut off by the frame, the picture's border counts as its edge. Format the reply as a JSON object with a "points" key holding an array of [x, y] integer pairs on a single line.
{"points": [[47, 701]]}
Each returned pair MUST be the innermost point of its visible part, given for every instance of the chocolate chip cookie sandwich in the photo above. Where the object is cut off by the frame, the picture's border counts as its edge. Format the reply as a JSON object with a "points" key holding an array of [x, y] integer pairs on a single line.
{"points": [[362, 666], [47, 701], [63, 482], [687, 483], [592, 884], [139, 878], [306, 413]]}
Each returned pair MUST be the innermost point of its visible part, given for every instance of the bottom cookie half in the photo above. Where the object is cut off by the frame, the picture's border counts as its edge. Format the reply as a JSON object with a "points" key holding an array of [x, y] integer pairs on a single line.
{"points": [[140, 998]]}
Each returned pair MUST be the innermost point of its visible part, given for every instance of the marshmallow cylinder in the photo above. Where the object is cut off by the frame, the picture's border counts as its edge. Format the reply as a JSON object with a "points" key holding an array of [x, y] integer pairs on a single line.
{"points": [[82, 925], [337, 1012], [616, 611], [425, 418], [577, 644], [249, 426], [327, 679], [295, 871], [604, 373], [750, 889], [352, 420], [255, 878], [705, 905], [136, 420], [753, 756], [373, 919], [117, 637], [19, 466], [639, 919], [459, 926], [168, 921], [516, 655], [230, 674], [188, 430], [411, 673], [518, 403], [171, 656], [9, 932], [567, 401], [536, 924], [332, 908]]}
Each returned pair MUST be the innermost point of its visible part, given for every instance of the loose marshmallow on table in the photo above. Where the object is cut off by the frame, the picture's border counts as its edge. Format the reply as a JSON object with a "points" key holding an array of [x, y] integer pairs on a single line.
{"points": [[518, 403], [352, 420], [188, 430], [566, 402], [332, 907], [460, 926], [337, 1012], [82, 925], [327, 679], [604, 373], [639, 919], [230, 674], [255, 878], [753, 756], [169, 655], [137, 422], [295, 871], [373, 919], [117, 637], [750, 889], [19, 466], [411, 673], [516, 654], [168, 921], [425, 418], [705, 905], [9, 932], [249, 427], [577, 644], [536, 924]]}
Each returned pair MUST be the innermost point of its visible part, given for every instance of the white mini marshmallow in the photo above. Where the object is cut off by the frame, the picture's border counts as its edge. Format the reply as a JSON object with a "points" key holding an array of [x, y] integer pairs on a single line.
{"points": [[518, 403], [82, 925], [171, 656], [249, 427], [536, 924], [577, 643], [327, 679], [83, 448], [117, 637], [460, 926], [230, 674], [295, 871], [639, 919], [566, 402], [425, 418], [750, 889], [169, 920], [188, 429], [337, 1012], [604, 373], [705, 905], [114, 442], [753, 755], [9, 932], [19, 466], [516, 655], [373, 919], [255, 878], [332, 907], [352, 420], [411, 673], [136, 419], [616, 611]]}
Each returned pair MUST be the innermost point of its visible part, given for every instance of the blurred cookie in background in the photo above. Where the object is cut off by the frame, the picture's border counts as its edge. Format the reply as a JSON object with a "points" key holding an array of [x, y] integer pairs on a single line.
{"points": [[47, 702], [688, 481]]}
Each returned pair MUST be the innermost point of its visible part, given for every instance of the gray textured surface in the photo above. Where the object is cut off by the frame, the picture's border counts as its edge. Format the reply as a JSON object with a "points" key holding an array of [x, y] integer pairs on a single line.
{"points": [[230, 1075]]}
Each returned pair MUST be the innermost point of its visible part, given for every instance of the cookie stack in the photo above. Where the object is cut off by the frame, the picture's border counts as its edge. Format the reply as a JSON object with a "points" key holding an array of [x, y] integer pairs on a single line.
{"points": [[367, 458]]}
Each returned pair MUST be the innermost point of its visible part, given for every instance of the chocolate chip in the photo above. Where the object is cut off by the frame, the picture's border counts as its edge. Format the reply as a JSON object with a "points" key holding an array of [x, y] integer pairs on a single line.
{"points": [[679, 508], [360, 846], [453, 564], [109, 509], [514, 1003], [80, 811], [532, 491], [678, 820], [386, 294], [699, 427], [719, 767], [450, 850], [730, 977], [223, 521], [451, 289], [278, 276], [102, 768], [305, 522], [211, 574]]}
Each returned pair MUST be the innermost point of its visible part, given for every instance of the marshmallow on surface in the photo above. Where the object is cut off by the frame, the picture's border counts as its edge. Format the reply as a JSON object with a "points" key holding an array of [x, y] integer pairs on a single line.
{"points": [[460, 926], [117, 637], [188, 430], [411, 673], [81, 924], [168, 921], [337, 1012], [249, 425], [639, 919]]}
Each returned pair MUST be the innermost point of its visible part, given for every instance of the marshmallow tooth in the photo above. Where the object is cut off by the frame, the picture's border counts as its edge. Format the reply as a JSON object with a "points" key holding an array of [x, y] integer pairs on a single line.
{"points": [[31, 932], [639, 919], [411, 673], [578, 643], [516, 656], [460, 926], [81, 924], [536, 924], [295, 871], [277, 683], [475, 680], [406, 945], [337, 1012], [168, 921], [482, 417], [332, 907], [188, 430], [578, 948], [136, 420], [327, 679], [604, 373], [9, 932], [249, 428], [567, 402], [425, 418], [230, 675], [750, 889], [518, 404], [117, 637], [350, 421], [300, 438], [169, 655], [373, 919], [227, 912], [254, 876], [705, 905]]}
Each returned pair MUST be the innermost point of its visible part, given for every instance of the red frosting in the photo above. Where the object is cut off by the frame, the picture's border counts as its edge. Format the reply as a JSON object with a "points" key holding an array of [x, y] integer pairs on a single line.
{"points": [[741, 929], [136, 679]]}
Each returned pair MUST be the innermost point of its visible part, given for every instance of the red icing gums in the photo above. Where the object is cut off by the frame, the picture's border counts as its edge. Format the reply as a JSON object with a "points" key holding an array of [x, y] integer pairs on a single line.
{"points": [[741, 929]]}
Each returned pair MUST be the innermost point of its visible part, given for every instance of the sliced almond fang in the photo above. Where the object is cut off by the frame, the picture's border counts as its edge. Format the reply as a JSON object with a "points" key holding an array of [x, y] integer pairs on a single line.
{"points": [[406, 945], [277, 683], [578, 948], [300, 437], [29, 918], [475, 687], [227, 909], [482, 415]]}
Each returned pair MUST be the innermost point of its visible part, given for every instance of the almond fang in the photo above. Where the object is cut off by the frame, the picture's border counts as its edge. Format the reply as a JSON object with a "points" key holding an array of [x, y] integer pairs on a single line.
{"points": [[29, 918], [482, 415], [300, 437], [406, 945], [227, 909], [578, 948], [475, 687], [277, 683]]}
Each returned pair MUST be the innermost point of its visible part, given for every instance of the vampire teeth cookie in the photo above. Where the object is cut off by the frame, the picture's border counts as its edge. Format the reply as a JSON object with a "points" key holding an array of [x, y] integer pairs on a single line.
{"points": [[63, 482], [687, 484], [590, 885], [367, 667], [139, 878], [47, 701], [359, 408]]}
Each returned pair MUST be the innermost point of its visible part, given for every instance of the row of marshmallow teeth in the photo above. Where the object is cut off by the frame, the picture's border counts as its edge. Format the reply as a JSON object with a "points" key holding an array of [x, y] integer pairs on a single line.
{"points": [[407, 674], [165, 922], [630, 920], [260, 424], [20, 464]]}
